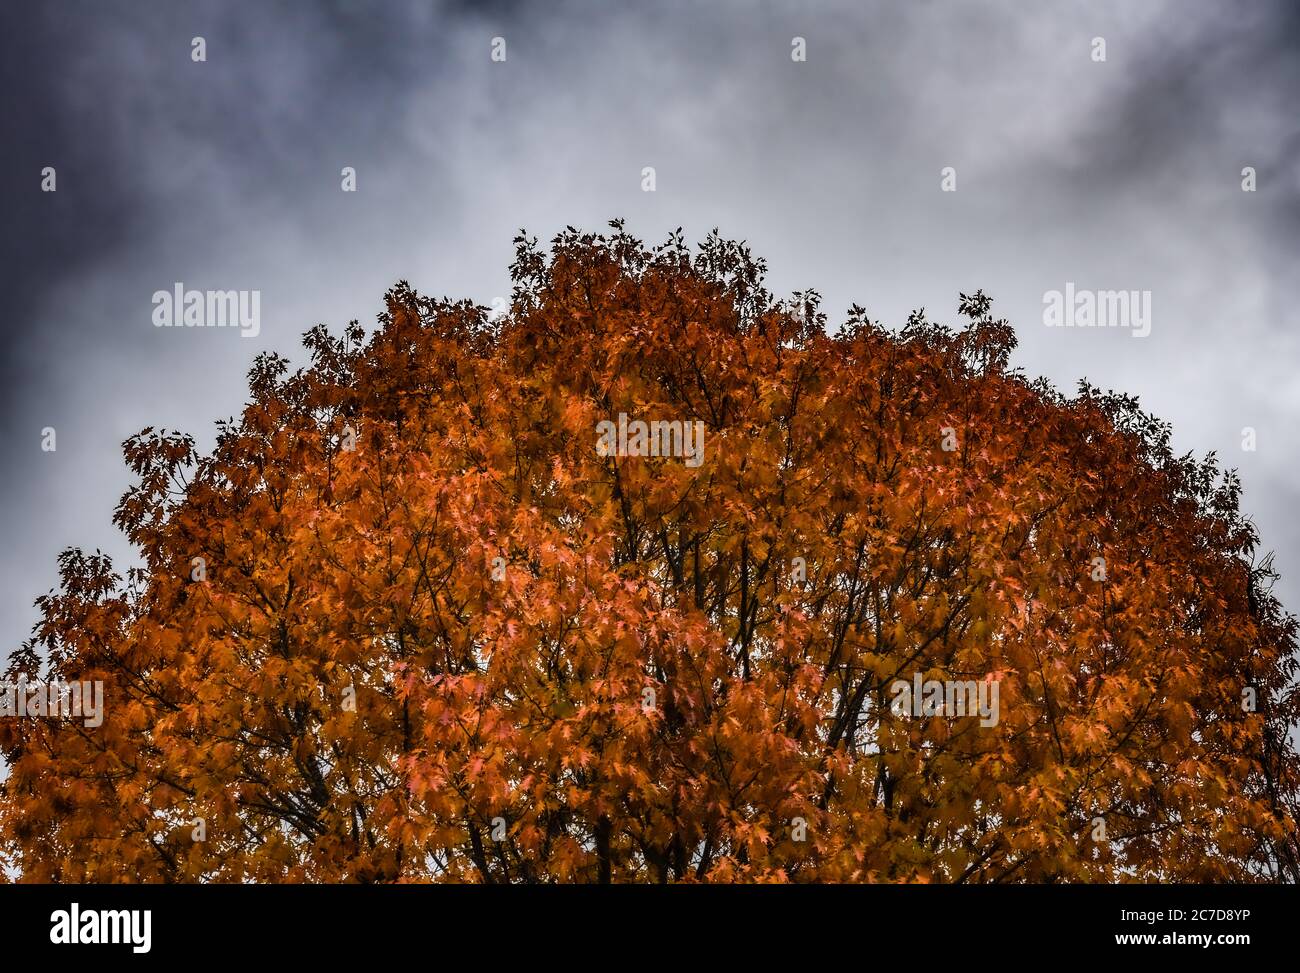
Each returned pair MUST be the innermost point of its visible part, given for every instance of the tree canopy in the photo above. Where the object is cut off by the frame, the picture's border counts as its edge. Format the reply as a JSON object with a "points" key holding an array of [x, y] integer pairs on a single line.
{"points": [[407, 622]]}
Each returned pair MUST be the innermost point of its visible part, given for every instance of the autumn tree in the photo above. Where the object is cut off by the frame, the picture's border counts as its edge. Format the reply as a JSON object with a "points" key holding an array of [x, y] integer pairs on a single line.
{"points": [[408, 622]]}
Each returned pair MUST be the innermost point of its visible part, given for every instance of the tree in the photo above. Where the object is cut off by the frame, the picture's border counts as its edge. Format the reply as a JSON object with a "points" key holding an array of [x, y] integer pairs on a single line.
{"points": [[407, 622]]}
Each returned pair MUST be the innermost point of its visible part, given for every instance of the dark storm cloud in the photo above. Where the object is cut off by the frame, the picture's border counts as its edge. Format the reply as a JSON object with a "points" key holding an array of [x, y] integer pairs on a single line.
{"points": [[226, 175], [46, 237]]}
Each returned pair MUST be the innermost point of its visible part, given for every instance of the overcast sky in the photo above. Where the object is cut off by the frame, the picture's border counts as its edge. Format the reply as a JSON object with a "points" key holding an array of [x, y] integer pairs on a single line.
{"points": [[225, 174]]}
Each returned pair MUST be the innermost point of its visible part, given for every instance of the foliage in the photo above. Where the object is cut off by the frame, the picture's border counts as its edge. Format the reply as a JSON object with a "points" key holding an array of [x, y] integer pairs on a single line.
{"points": [[350, 694]]}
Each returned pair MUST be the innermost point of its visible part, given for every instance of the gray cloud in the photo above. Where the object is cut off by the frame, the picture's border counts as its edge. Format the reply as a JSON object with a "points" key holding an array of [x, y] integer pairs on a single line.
{"points": [[226, 174]]}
